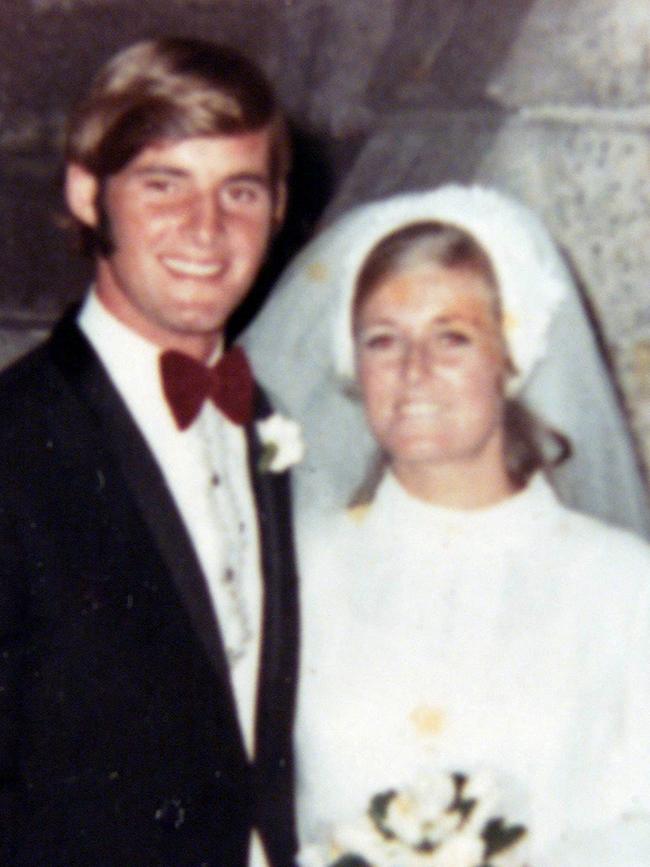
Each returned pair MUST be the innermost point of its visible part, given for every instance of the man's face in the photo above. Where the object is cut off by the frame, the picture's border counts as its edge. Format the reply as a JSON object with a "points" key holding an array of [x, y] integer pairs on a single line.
{"points": [[190, 223]]}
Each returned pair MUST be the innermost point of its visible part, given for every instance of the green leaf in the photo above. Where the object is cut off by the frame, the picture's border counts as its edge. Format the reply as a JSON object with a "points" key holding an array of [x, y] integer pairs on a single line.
{"points": [[499, 836], [461, 805], [377, 812], [267, 457], [351, 861], [425, 846]]}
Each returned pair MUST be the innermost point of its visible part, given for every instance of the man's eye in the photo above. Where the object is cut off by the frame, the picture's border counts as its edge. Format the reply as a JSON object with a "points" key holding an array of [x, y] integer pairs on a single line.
{"points": [[159, 185], [243, 194]]}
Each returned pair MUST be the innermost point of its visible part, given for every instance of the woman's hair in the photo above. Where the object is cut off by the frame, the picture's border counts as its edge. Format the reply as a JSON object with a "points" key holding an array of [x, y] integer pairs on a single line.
{"points": [[171, 88], [529, 445], [429, 242]]}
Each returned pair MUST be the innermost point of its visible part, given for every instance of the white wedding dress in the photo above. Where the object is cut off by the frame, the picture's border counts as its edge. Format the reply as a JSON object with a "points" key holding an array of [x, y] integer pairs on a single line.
{"points": [[513, 640]]}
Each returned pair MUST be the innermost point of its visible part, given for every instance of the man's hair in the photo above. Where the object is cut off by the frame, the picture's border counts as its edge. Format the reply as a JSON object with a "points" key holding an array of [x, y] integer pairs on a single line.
{"points": [[171, 88]]}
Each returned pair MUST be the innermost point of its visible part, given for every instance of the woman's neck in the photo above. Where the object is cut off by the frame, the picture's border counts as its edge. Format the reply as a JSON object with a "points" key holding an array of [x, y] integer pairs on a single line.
{"points": [[463, 485]]}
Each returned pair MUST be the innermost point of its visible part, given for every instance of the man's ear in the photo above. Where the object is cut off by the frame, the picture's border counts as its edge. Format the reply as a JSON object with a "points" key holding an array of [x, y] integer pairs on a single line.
{"points": [[81, 188], [279, 204]]}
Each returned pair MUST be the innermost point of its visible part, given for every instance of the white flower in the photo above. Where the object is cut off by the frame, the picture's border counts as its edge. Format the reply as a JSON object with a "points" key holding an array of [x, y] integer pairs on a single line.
{"points": [[404, 819], [421, 812], [313, 856], [459, 850], [415, 827], [434, 794], [362, 838], [283, 443], [513, 856], [481, 788]]}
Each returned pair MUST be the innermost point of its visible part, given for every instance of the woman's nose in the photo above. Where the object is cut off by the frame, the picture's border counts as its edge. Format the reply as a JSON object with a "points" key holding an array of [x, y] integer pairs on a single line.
{"points": [[418, 362]]}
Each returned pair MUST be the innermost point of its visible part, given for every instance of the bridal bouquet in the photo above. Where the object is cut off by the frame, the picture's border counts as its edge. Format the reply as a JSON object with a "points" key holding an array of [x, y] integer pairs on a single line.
{"points": [[443, 822]]}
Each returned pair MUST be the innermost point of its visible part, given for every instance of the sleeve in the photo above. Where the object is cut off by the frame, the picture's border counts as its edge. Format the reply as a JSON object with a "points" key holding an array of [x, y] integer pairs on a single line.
{"points": [[625, 840], [623, 844], [12, 654]]}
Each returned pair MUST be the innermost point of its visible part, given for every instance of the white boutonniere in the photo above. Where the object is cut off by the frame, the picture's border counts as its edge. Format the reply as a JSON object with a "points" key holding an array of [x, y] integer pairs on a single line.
{"points": [[282, 441]]}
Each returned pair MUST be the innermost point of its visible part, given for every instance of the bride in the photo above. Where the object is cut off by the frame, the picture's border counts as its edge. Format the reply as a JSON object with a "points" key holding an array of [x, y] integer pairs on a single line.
{"points": [[457, 617]]}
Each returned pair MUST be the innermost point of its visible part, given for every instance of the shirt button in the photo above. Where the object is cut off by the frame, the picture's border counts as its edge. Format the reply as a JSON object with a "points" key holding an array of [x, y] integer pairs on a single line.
{"points": [[170, 814]]}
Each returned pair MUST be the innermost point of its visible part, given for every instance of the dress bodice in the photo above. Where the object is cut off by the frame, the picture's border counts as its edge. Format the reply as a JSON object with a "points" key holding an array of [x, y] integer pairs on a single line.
{"points": [[512, 640]]}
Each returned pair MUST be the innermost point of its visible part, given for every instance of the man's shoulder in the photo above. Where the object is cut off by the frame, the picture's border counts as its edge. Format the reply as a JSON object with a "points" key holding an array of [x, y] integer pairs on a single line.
{"points": [[44, 364], [30, 371], [35, 385]]}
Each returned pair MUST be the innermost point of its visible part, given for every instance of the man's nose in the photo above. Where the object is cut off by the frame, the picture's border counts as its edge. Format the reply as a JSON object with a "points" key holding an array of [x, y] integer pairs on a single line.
{"points": [[205, 217]]}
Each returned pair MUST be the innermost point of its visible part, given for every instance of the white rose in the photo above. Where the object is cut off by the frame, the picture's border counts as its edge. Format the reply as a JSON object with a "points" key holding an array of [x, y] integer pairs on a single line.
{"points": [[313, 856], [283, 443], [459, 850]]}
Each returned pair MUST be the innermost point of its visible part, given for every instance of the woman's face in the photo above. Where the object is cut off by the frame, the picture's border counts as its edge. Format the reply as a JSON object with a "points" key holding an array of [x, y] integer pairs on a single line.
{"points": [[431, 365]]}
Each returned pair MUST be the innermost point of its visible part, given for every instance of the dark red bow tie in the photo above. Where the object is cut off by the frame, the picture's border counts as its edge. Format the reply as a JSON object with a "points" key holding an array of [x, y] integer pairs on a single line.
{"points": [[187, 383]]}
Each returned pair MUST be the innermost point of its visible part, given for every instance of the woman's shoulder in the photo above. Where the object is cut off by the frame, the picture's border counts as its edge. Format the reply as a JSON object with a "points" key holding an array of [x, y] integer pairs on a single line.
{"points": [[607, 550], [320, 532], [584, 528]]}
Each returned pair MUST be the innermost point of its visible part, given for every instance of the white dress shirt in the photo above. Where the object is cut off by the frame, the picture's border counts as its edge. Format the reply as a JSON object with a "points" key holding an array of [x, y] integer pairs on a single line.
{"points": [[206, 470]]}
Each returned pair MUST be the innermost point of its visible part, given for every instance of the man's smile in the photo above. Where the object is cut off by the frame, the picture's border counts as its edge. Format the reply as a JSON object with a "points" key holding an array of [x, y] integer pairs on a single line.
{"points": [[193, 268]]}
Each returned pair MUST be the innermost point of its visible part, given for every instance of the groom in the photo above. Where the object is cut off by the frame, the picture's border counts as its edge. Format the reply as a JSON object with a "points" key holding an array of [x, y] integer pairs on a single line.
{"points": [[148, 614]]}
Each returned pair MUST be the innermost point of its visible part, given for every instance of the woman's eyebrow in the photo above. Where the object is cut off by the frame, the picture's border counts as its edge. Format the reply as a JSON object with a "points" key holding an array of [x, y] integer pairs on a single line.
{"points": [[464, 318]]}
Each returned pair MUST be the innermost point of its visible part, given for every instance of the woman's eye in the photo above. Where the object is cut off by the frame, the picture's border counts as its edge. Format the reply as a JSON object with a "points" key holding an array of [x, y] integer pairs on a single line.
{"points": [[454, 338], [378, 341]]}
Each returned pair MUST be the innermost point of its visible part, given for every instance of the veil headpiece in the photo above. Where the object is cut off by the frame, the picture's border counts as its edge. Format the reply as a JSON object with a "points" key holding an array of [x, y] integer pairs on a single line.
{"points": [[563, 375], [532, 277]]}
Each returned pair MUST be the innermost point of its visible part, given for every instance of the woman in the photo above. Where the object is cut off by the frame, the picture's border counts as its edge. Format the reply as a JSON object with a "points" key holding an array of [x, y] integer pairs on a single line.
{"points": [[570, 387], [457, 617]]}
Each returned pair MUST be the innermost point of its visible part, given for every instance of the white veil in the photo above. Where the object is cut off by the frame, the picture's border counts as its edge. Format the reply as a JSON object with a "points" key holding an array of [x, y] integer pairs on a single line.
{"points": [[291, 344]]}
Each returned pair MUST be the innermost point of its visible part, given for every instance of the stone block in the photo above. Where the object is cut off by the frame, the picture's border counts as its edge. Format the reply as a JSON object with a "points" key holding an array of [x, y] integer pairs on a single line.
{"points": [[67, 40], [584, 52], [40, 274], [15, 342], [641, 370]]}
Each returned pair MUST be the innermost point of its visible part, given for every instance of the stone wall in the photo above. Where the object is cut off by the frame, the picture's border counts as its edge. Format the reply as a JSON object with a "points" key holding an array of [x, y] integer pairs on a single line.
{"points": [[548, 99]]}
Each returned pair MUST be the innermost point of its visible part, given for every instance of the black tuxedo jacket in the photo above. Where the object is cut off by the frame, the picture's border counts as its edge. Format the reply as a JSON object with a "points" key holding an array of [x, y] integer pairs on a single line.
{"points": [[119, 741]]}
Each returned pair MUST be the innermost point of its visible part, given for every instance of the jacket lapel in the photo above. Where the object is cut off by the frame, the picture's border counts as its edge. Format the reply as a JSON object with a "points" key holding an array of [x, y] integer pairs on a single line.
{"points": [[121, 438], [279, 653]]}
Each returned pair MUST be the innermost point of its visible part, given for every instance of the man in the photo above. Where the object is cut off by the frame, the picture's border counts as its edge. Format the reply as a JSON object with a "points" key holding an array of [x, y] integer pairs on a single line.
{"points": [[147, 585]]}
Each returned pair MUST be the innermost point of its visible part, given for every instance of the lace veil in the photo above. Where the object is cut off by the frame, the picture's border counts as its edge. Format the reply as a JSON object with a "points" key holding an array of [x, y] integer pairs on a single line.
{"points": [[300, 347]]}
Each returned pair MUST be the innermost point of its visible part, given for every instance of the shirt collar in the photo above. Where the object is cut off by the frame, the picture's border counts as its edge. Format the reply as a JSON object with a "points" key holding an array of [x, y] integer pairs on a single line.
{"points": [[116, 341]]}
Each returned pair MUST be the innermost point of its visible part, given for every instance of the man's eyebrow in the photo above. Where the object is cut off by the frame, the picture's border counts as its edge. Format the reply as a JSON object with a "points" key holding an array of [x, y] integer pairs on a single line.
{"points": [[250, 178], [161, 169], [175, 172]]}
